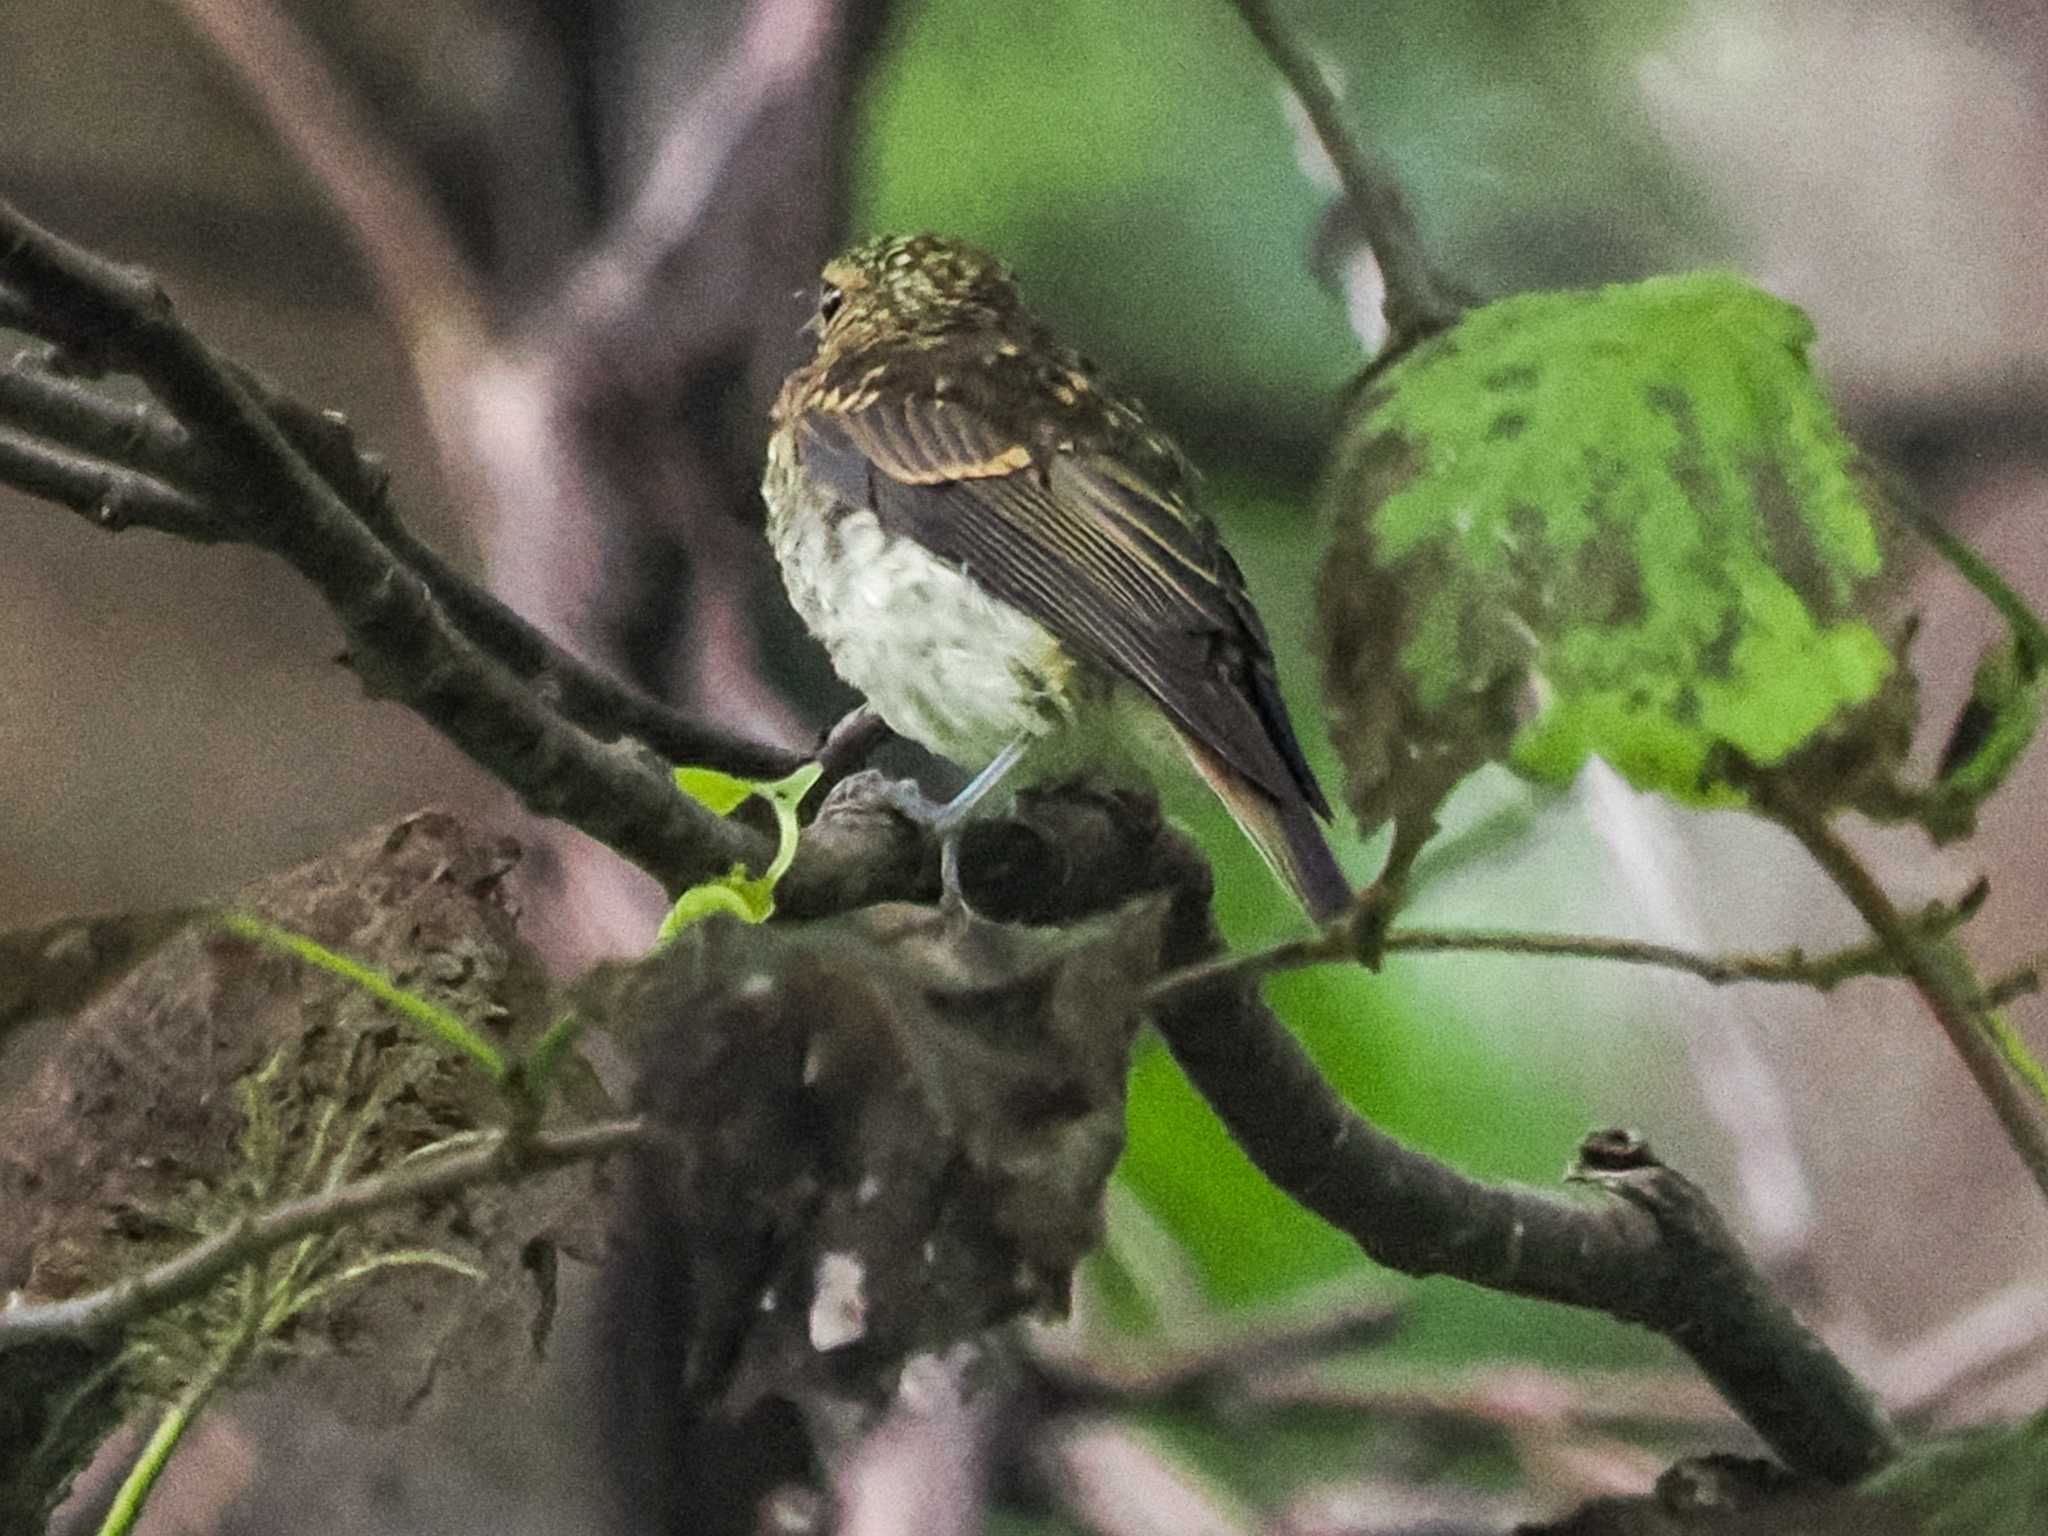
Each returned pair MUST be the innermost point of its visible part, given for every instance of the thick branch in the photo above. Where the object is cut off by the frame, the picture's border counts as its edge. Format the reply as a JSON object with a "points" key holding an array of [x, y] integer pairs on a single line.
{"points": [[494, 1156], [1654, 1253]]}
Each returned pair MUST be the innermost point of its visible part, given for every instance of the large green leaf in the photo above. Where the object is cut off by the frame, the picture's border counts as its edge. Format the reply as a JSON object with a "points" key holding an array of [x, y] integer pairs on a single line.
{"points": [[1622, 522]]}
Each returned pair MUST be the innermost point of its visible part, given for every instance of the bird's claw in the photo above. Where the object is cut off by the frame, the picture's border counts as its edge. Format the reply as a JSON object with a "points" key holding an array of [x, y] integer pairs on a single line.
{"points": [[952, 898], [911, 803], [944, 820]]}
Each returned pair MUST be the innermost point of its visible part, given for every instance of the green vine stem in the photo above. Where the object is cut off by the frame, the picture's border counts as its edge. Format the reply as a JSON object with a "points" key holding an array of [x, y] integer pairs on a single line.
{"points": [[2028, 631], [444, 1026], [170, 1429]]}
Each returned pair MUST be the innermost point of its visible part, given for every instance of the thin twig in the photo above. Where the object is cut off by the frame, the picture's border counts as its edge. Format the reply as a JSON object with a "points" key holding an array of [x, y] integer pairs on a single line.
{"points": [[1218, 1352], [1416, 304], [135, 433], [105, 495], [1333, 945], [1936, 968], [1792, 966], [1788, 967], [493, 1156]]}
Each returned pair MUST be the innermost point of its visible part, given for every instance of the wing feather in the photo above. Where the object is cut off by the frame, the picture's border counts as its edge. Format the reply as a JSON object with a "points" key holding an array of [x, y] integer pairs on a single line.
{"points": [[1115, 568]]}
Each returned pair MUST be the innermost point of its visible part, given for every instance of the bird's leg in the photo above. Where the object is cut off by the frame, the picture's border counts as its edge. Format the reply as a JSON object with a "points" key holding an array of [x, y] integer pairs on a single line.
{"points": [[948, 821], [850, 742], [952, 820]]}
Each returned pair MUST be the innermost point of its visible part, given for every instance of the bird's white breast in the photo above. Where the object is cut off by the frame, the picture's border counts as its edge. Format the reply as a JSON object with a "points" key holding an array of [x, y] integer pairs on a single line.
{"points": [[942, 661]]}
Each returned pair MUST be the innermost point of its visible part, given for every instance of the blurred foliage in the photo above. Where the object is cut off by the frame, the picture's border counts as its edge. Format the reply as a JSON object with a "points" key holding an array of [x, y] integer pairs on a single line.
{"points": [[1138, 169], [1984, 1482]]}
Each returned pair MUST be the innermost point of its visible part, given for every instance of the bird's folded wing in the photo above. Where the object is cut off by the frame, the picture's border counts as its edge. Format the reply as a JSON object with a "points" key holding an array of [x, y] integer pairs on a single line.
{"points": [[1116, 569]]}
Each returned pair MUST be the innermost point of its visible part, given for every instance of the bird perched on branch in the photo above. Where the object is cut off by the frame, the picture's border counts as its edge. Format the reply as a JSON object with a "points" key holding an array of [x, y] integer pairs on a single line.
{"points": [[995, 549]]}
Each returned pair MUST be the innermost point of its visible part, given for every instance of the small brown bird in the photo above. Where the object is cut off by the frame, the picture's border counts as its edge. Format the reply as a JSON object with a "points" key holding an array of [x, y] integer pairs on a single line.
{"points": [[993, 548]]}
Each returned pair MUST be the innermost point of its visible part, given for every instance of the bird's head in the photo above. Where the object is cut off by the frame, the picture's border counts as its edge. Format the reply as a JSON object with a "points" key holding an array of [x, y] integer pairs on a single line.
{"points": [[911, 289]]}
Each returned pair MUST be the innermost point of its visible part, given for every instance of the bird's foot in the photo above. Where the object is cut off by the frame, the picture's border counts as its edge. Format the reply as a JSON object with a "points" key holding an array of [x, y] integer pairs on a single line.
{"points": [[946, 820], [914, 805], [952, 899]]}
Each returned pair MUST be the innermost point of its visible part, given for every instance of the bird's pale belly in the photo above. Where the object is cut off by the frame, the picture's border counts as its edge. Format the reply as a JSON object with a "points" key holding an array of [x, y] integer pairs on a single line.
{"points": [[939, 659]]}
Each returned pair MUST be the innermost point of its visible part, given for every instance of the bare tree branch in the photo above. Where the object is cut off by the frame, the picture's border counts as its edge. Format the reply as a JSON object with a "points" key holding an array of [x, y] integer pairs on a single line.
{"points": [[437, 302], [1654, 1252], [406, 644]]}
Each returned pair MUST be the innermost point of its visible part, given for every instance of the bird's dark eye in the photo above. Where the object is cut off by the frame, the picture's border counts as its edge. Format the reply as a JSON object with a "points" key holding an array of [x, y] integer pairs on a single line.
{"points": [[830, 301]]}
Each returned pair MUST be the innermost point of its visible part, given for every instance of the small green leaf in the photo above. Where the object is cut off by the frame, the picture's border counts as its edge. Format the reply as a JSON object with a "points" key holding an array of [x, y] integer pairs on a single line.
{"points": [[1622, 523], [720, 793], [749, 898]]}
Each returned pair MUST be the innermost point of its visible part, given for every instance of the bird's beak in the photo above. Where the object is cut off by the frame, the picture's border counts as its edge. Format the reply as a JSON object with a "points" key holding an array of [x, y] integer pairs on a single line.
{"points": [[814, 324]]}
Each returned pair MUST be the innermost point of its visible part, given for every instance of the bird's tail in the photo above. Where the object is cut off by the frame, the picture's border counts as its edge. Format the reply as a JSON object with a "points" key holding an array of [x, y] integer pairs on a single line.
{"points": [[1286, 832]]}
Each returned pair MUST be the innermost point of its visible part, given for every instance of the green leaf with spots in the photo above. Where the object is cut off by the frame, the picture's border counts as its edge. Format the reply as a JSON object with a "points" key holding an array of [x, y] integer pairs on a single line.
{"points": [[1622, 523]]}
